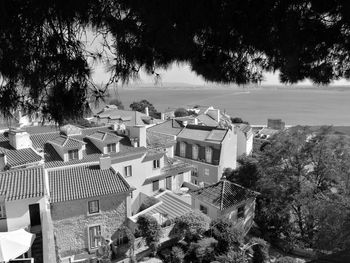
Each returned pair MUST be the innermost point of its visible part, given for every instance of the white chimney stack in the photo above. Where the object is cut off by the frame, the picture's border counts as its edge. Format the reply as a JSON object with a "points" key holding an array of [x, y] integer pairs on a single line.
{"points": [[147, 111], [105, 162]]}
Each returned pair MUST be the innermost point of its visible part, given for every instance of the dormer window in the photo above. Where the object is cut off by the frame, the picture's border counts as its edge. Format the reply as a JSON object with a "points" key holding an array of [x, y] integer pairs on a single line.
{"points": [[73, 154], [111, 147], [182, 149], [208, 154], [156, 164], [195, 152]]}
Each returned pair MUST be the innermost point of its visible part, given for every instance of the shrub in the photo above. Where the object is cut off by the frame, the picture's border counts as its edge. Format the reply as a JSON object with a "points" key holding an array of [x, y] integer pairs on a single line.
{"points": [[181, 112], [150, 230], [177, 255], [203, 250], [191, 225]]}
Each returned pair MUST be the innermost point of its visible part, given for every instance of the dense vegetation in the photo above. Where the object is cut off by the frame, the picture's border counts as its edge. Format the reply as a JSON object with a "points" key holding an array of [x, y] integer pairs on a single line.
{"points": [[303, 177], [44, 61]]}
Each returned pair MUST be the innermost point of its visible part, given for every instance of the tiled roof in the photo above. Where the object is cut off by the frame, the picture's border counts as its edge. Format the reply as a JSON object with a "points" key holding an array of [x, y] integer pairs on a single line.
{"points": [[244, 127], [199, 133], [159, 140], [82, 182], [42, 129], [17, 157], [171, 206], [104, 136], [153, 155], [207, 121], [171, 127], [268, 131], [22, 184], [67, 142], [223, 194], [129, 117], [53, 159]]}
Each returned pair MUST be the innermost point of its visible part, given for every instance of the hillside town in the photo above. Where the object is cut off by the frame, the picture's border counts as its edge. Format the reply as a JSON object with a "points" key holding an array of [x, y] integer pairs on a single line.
{"points": [[81, 191]]}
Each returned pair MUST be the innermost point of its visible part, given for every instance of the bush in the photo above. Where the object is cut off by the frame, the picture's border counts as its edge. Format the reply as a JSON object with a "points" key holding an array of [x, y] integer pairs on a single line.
{"points": [[202, 251], [181, 112], [191, 225], [177, 255], [150, 230], [148, 202]]}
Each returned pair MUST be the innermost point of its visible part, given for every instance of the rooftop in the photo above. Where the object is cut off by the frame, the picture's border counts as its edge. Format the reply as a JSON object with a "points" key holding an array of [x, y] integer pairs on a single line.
{"points": [[82, 182], [171, 127], [22, 184], [104, 136], [198, 133], [171, 207], [66, 142], [223, 194], [17, 157], [159, 140]]}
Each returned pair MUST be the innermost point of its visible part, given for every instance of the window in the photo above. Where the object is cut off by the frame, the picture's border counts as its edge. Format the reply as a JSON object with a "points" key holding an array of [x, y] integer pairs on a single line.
{"points": [[128, 171], [182, 149], [94, 207], [111, 147], [156, 164], [194, 172], [73, 154], [155, 185], [208, 154], [195, 152], [240, 212], [2, 211], [203, 209], [94, 234], [206, 172]]}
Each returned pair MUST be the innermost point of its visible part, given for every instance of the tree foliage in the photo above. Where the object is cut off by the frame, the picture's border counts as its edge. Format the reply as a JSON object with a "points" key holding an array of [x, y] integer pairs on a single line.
{"points": [[141, 105], [303, 178], [43, 52], [191, 225], [117, 103], [181, 112], [150, 230]]}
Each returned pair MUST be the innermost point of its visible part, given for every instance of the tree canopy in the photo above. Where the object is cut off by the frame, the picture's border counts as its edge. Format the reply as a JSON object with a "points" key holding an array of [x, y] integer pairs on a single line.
{"points": [[303, 178], [44, 61]]}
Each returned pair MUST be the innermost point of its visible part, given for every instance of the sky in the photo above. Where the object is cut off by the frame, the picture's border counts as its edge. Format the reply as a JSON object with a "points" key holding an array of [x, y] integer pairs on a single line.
{"points": [[183, 74]]}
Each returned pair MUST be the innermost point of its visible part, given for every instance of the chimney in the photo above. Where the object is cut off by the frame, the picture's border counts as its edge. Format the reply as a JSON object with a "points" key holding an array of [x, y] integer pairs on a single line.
{"points": [[138, 132], [162, 116], [105, 162], [184, 123], [19, 139], [3, 161], [147, 111], [195, 121]]}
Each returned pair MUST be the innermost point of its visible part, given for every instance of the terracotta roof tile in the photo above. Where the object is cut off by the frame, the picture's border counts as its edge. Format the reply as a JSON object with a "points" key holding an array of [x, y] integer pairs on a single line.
{"points": [[105, 136], [22, 184], [67, 142], [82, 182], [159, 140], [171, 127]]}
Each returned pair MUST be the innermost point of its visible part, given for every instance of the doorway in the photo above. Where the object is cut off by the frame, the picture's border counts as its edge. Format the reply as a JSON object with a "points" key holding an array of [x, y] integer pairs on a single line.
{"points": [[34, 213]]}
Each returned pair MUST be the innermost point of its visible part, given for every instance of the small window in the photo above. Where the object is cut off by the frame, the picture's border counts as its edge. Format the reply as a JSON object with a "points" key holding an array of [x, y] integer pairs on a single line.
{"points": [[94, 207], [206, 172], [94, 236], [73, 154], [203, 209], [128, 171], [208, 154], [240, 212], [156, 164], [2, 211], [111, 148], [194, 172], [195, 152], [183, 149], [155, 185]]}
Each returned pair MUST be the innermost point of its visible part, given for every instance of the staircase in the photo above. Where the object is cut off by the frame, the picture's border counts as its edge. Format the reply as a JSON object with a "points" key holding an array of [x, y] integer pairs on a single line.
{"points": [[37, 248]]}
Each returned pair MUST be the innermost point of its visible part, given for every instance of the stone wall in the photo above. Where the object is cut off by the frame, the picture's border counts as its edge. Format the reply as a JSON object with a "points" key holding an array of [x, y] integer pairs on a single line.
{"points": [[71, 222]]}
